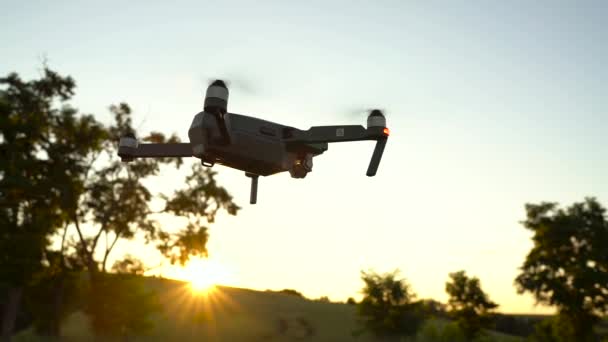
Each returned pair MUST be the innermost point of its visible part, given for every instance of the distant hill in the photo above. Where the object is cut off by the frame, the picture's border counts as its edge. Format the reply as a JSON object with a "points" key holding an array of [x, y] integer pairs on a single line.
{"points": [[235, 314]]}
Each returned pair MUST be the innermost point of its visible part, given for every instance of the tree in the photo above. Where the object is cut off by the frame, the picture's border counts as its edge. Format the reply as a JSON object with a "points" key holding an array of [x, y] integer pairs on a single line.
{"points": [[128, 307], [42, 144], [54, 293], [554, 329], [115, 204], [433, 308], [60, 178], [468, 304], [324, 299], [292, 292], [129, 265], [388, 309], [568, 265]]}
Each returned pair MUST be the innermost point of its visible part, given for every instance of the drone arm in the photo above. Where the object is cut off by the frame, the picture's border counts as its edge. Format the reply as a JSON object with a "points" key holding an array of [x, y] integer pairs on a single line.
{"points": [[165, 150], [328, 134], [130, 149]]}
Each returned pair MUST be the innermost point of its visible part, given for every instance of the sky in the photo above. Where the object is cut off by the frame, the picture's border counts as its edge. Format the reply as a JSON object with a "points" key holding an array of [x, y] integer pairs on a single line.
{"points": [[491, 105]]}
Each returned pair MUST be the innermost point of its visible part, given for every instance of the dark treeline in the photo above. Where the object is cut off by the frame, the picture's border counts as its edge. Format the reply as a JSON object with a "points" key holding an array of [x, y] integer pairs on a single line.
{"points": [[567, 268], [390, 309], [66, 200]]}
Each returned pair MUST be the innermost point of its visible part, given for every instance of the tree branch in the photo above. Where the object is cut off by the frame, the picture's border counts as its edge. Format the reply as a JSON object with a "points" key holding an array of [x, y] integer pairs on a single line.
{"points": [[85, 247], [96, 239], [108, 250], [61, 251]]}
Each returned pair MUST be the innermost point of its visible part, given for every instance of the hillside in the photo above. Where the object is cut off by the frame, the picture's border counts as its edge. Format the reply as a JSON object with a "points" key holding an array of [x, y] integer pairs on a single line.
{"points": [[234, 314]]}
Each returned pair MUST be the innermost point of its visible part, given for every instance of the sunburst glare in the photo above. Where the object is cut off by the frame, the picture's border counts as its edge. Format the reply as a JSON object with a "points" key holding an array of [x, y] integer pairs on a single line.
{"points": [[203, 275]]}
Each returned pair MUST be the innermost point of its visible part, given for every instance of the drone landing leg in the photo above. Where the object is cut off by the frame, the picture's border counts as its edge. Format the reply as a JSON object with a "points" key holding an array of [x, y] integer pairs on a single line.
{"points": [[376, 156], [254, 187]]}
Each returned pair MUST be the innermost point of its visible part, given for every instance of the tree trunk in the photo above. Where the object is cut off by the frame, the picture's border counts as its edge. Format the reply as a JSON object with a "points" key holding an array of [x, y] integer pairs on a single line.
{"points": [[58, 293], [10, 310]]}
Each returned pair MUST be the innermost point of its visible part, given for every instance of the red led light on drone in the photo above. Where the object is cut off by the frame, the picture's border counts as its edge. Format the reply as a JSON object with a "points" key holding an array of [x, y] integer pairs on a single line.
{"points": [[386, 131]]}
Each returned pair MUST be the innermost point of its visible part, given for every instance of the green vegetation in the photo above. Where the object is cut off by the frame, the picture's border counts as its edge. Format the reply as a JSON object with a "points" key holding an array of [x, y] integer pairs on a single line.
{"points": [[39, 154], [388, 309], [568, 267], [61, 180], [469, 305], [233, 314]]}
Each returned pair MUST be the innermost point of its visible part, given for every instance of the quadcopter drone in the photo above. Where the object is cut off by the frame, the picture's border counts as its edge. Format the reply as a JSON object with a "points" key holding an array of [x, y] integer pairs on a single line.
{"points": [[256, 146]]}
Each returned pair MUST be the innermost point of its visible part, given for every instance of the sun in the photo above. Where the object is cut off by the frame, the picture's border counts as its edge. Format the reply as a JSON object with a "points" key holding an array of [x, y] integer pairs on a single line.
{"points": [[202, 283], [204, 274]]}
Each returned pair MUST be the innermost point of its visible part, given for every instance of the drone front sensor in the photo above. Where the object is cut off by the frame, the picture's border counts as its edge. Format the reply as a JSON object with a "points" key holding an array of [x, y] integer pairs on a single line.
{"points": [[256, 146]]}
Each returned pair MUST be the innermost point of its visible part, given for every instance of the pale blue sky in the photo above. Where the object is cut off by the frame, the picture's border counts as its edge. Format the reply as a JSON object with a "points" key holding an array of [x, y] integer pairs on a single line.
{"points": [[491, 105]]}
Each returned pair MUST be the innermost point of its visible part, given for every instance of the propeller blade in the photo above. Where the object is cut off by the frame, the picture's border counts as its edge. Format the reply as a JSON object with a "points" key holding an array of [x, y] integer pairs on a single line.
{"points": [[237, 83], [362, 112]]}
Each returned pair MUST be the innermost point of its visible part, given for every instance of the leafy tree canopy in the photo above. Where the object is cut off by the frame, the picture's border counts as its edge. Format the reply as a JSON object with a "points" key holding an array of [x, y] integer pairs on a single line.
{"points": [[568, 265], [61, 179], [43, 149], [388, 308], [468, 303]]}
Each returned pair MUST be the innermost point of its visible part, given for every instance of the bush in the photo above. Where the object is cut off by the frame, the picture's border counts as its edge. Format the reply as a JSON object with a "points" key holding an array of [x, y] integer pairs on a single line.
{"points": [[120, 305], [435, 330], [388, 308], [514, 325], [557, 329], [291, 292], [324, 299]]}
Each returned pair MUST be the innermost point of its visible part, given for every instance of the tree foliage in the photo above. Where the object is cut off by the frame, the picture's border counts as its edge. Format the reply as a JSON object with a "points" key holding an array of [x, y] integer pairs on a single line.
{"points": [[61, 179], [129, 265], [43, 144], [433, 308], [388, 308], [292, 292], [555, 329], [468, 304], [116, 203], [41, 149], [568, 264], [128, 307]]}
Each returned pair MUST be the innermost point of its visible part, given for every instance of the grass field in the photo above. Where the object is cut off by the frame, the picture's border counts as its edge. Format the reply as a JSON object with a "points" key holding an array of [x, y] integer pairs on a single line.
{"points": [[233, 314]]}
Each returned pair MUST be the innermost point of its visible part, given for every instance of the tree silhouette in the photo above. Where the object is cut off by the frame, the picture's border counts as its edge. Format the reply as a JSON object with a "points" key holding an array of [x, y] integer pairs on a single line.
{"points": [[388, 308], [61, 179], [124, 306], [42, 147], [468, 303], [568, 265], [115, 205], [129, 265]]}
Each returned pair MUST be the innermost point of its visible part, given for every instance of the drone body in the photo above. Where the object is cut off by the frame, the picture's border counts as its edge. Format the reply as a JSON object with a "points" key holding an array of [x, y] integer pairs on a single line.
{"points": [[256, 146]]}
